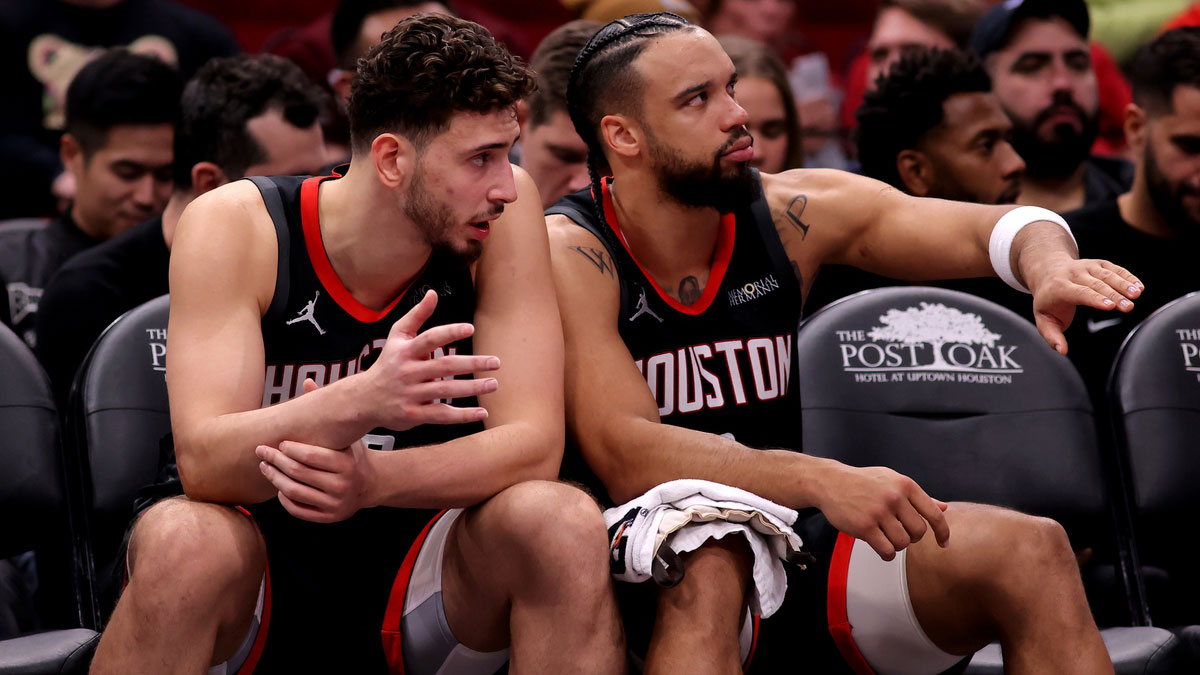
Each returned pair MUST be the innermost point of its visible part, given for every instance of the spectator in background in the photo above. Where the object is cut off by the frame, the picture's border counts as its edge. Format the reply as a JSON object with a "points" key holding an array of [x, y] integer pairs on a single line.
{"points": [[44, 43], [932, 128], [121, 113], [241, 116], [603, 11], [1152, 230], [1038, 56], [766, 21], [550, 149], [763, 91], [902, 27], [357, 26], [907, 26]]}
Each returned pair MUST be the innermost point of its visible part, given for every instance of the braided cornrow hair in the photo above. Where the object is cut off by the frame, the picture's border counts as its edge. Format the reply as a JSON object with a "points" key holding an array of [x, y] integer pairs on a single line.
{"points": [[603, 64]]}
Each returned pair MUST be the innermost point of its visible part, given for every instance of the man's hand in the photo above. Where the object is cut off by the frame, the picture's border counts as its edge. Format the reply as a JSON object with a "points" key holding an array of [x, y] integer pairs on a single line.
{"points": [[1064, 283], [883, 508], [318, 484], [315, 483], [406, 383]]}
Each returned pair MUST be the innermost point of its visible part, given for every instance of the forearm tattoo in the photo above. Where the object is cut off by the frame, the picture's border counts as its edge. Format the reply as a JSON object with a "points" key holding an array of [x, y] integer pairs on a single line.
{"points": [[597, 257]]}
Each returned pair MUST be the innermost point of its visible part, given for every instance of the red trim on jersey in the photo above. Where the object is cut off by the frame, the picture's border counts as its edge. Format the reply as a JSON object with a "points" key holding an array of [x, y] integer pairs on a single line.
{"points": [[839, 624], [716, 274], [310, 221], [753, 644], [264, 622], [393, 648]]}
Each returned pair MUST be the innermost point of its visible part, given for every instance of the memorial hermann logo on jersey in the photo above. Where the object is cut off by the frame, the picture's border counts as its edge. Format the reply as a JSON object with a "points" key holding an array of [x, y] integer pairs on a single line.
{"points": [[932, 343], [752, 290]]}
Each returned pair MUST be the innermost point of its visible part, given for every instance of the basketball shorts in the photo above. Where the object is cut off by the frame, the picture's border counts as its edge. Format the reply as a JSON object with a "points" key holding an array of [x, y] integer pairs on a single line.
{"points": [[348, 603], [847, 613]]}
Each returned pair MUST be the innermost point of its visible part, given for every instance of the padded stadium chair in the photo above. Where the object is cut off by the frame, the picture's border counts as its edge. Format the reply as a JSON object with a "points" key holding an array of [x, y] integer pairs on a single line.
{"points": [[964, 397], [32, 500], [1155, 395], [118, 420]]}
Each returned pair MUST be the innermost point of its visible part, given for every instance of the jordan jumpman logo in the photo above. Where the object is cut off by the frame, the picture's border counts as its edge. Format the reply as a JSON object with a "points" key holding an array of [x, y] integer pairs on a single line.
{"points": [[307, 314], [643, 307]]}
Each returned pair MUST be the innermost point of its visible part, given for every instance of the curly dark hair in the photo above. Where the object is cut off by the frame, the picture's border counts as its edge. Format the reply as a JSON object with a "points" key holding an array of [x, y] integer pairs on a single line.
{"points": [[427, 68], [1168, 61], [907, 102], [226, 94]]}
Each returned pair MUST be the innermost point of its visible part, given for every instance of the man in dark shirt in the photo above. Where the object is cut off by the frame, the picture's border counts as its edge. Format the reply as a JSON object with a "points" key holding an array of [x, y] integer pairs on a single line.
{"points": [[242, 115], [121, 112], [932, 127], [1037, 54], [44, 43], [1153, 229]]}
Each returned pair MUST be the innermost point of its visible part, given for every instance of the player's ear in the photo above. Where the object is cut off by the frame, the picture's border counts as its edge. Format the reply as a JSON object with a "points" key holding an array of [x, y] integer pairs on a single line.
{"points": [[915, 172], [206, 176], [394, 157], [622, 134]]}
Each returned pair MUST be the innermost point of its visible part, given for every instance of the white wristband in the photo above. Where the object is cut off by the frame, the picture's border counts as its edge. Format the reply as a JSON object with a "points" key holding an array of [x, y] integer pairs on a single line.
{"points": [[1006, 229]]}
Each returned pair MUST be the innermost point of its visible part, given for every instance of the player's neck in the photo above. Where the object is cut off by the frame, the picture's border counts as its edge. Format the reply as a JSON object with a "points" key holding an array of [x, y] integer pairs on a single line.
{"points": [[373, 247], [669, 240], [170, 216]]}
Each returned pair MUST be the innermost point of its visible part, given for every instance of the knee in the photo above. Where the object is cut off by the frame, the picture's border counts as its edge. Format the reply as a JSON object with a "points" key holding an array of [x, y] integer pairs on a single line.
{"points": [[556, 525], [1027, 552], [179, 544]]}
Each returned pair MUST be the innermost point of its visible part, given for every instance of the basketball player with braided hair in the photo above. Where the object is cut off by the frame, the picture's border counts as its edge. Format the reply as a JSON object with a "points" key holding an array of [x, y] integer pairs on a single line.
{"points": [[654, 261], [398, 519]]}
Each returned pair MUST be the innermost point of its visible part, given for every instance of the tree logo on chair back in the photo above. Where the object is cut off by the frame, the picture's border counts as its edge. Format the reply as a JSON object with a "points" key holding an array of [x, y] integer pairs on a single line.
{"points": [[932, 343]]}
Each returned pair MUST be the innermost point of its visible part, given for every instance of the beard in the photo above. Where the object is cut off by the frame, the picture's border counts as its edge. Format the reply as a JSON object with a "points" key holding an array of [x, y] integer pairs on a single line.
{"points": [[1167, 197], [703, 185], [1067, 147], [434, 220]]}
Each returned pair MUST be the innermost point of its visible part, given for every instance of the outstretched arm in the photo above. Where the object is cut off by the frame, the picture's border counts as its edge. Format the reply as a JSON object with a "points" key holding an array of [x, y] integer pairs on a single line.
{"points": [[826, 216], [614, 420]]}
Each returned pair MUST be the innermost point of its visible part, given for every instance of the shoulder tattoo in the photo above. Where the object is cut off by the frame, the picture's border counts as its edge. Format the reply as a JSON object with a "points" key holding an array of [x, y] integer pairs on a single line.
{"points": [[597, 257], [794, 212]]}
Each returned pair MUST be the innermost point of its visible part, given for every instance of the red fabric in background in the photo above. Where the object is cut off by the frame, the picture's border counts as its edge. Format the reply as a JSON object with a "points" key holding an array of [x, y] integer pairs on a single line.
{"points": [[519, 24]]}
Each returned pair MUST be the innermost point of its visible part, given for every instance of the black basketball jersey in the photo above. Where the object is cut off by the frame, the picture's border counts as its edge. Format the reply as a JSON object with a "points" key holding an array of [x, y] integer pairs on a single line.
{"points": [[723, 364], [315, 329]]}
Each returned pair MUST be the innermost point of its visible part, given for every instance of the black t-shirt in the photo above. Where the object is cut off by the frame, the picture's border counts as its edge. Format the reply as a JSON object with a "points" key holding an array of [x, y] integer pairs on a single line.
{"points": [[29, 258], [90, 291], [43, 43], [1167, 268]]}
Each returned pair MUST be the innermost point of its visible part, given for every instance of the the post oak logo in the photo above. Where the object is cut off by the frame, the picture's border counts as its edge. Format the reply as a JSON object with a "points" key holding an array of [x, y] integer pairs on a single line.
{"points": [[1189, 342], [932, 343]]}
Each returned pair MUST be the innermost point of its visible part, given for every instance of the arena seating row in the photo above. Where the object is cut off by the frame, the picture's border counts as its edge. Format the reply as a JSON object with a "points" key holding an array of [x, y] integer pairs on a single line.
{"points": [[952, 390]]}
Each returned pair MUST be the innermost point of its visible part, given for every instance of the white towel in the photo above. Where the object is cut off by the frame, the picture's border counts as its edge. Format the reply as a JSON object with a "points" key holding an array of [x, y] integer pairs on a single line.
{"points": [[684, 514]]}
